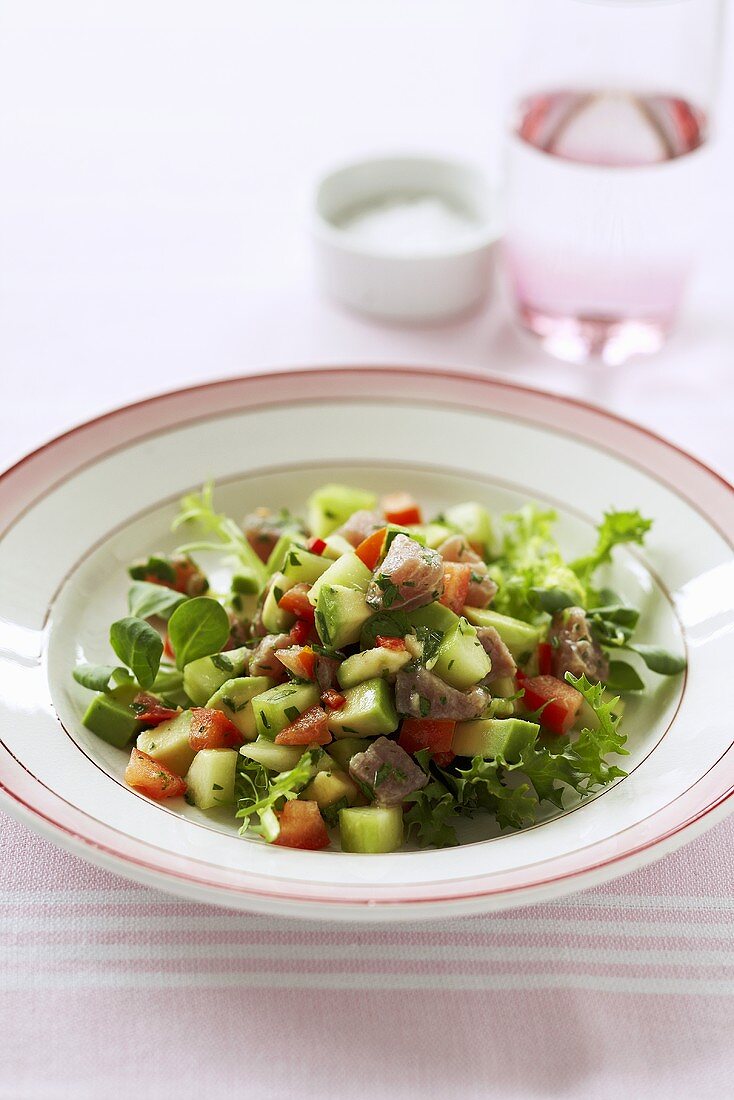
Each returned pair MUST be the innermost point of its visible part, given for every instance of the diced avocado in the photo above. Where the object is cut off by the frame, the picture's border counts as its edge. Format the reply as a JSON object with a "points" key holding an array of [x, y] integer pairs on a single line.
{"points": [[473, 521], [371, 663], [110, 717], [369, 711], [288, 541], [169, 743], [332, 505], [336, 545], [277, 707], [234, 698], [340, 615], [303, 567], [434, 616], [201, 678], [277, 758], [519, 637], [329, 787], [210, 779], [345, 748], [493, 737], [348, 571], [433, 534], [462, 661], [371, 829], [275, 619]]}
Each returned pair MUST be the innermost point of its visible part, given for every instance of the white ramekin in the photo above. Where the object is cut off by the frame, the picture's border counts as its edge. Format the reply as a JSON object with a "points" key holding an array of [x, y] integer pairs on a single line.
{"points": [[404, 287]]}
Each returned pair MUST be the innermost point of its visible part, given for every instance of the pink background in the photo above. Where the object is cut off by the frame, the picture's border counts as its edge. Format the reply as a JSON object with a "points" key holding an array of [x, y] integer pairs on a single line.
{"points": [[156, 163]]}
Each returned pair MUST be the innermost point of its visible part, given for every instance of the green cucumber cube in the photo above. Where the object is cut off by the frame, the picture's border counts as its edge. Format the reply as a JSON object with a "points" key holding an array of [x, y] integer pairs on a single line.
{"points": [[290, 540], [169, 743], [332, 505], [473, 521], [275, 619], [329, 787], [336, 545], [369, 711], [279, 706], [345, 748], [340, 615], [109, 715], [210, 779], [276, 758], [371, 830], [234, 698], [303, 567], [520, 638], [348, 571], [462, 661], [371, 663], [493, 737], [201, 678]]}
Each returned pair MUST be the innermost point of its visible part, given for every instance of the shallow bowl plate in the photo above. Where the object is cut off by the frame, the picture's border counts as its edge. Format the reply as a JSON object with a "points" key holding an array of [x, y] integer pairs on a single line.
{"points": [[75, 512]]}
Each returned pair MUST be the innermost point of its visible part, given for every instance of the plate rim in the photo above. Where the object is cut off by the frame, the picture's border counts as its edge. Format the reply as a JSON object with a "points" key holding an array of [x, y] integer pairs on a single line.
{"points": [[297, 903]]}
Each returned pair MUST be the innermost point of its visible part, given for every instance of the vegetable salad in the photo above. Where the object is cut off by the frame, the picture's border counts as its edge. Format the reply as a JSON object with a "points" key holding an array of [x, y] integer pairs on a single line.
{"points": [[373, 676]]}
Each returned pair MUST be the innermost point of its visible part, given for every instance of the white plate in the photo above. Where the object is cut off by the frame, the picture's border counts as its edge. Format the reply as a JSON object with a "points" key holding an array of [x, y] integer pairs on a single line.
{"points": [[74, 513]]}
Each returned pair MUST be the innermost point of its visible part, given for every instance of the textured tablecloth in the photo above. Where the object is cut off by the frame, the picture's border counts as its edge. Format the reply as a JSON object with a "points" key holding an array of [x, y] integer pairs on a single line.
{"points": [[155, 156]]}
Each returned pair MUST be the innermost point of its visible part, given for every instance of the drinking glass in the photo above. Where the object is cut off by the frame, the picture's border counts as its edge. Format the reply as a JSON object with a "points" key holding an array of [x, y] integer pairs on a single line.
{"points": [[606, 168]]}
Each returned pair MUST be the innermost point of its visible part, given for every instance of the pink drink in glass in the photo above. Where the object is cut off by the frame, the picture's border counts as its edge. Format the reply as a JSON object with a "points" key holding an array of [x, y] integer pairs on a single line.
{"points": [[602, 218]]}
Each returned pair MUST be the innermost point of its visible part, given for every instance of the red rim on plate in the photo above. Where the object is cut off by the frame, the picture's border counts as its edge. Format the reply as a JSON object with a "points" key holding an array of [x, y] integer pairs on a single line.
{"points": [[703, 489]]}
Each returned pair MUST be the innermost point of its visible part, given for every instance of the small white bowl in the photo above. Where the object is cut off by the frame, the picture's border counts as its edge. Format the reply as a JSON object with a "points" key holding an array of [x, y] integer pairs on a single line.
{"points": [[419, 284]]}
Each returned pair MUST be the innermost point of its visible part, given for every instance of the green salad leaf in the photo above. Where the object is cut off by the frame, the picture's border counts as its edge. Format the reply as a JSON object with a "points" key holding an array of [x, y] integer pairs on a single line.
{"points": [[197, 628], [623, 677], [145, 600], [659, 660], [615, 529], [431, 810], [100, 677], [138, 646], [265, 800], [531, 562], [198, 508], [483, 786]]}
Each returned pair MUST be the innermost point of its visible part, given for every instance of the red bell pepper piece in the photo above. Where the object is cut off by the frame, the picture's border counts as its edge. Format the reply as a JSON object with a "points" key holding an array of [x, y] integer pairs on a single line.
{"points": [[333, 699], [456, 581], [545, 662], [370, 549], [434, 734], [295, 601], [317, 546], [384, 641], [401, 509], [561, 702]]}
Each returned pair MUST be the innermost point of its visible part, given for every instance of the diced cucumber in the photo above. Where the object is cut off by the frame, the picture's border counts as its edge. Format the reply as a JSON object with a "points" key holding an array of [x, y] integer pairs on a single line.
{"points": [[371, 829], [288, 541], [110, 717], [332, 505], [369, 711], [348, 571], [169, 743], [371, 663], [393, 529], [345, 748], [434, 616], [277, 758], [275, 619], [329, 787], [462, 661], [201, 678], [503, 687], [493, 737], [279, 706], [336, 545], [433, 534], [210, 779], [303, 567], [234, 698], [519, 637], [473, 521], [340, 615]]}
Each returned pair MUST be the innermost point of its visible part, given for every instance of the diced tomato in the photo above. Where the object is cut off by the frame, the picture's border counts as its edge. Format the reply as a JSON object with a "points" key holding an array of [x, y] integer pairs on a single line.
{"points": [[295, 600], [311, 727], [302, 826], [303, 632], [401, 509], [545, 664], [563, 701], [151, 711], [185, 570], [210, 729], [435, 734], [317, 546], [308, 662], [152, 778], [168, 649], [456, 581], [370, 549], [384, 641], [333, 699]]}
